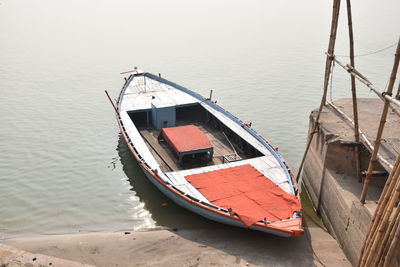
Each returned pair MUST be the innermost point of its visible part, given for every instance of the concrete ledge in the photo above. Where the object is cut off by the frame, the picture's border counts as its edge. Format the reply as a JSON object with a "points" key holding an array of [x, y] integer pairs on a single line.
{"points": [[330, 176]]}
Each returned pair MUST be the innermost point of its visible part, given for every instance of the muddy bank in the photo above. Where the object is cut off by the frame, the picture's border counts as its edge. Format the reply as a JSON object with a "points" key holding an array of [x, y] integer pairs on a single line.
{"points": [[224, 246]]}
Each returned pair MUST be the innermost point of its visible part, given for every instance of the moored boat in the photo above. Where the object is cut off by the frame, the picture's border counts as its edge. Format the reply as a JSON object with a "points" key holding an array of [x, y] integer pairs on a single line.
{"points": [[205, 159]]}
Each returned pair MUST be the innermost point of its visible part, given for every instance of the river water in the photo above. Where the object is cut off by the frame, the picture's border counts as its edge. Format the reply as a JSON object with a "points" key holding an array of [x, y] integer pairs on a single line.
{"points": [[63, 166]]}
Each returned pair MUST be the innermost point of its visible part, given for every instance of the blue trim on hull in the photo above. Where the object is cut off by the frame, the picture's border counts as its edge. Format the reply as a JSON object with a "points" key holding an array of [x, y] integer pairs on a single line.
{"points": [[202, 212], [122, 92]]}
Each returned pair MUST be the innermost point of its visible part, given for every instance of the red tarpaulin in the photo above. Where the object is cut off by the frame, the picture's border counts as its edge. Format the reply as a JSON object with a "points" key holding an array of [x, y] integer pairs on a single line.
{"points": [[185, 138], [247, 192]]}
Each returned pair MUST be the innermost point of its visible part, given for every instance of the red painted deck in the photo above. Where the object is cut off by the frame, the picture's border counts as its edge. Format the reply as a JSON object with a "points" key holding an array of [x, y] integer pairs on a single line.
{"points": [[185, 138], [247, 192]]}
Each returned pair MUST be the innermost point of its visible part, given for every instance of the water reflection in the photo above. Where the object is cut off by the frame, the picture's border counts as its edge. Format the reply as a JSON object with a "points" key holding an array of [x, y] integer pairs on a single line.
{"points": [[163, 210]]}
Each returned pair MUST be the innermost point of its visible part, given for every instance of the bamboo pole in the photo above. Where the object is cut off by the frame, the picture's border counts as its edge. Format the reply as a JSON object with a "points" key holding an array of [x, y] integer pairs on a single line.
{"points": [[393, 101], [389, 91], [385, 207], [328, 64], [392, 249], [369, 257], [389, 234], [354, 92], [386, 240], [383, 226], [112, 103], [380, 210]]}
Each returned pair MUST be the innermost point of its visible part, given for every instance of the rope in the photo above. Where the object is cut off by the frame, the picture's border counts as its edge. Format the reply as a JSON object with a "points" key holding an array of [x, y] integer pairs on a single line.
{"points": [[371, 53]]}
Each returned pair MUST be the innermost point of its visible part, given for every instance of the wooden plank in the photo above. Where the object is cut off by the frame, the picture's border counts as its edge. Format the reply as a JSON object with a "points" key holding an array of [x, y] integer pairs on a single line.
{"points": [[275, 174], [183, 185], [138, 141], [270, 163], [178, 178], [171, 178], [160, 151], [223, 148], [138, 95], [237, 129]]}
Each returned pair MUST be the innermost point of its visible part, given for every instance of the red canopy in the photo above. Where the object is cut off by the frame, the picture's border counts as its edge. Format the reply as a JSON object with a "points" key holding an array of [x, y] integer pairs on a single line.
{"points": [[185, 138], [246, 191]]}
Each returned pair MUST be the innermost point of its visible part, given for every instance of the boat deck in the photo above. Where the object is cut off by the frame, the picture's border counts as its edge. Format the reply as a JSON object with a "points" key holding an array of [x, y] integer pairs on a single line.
{"points": [[223, 150], [176, 171], [264, 164]]}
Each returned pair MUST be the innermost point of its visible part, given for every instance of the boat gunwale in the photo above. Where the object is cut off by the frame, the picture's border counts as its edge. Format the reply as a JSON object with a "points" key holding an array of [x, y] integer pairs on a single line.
{"points": [[190, 199]]}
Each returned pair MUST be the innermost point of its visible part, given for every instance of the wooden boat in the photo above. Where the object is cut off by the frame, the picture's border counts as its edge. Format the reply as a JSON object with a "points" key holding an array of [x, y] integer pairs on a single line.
{"points": [[205, 159]]}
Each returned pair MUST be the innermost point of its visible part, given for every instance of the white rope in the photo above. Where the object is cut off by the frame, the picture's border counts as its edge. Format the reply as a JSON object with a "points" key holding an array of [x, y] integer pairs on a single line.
{"points": [[371, 53]]}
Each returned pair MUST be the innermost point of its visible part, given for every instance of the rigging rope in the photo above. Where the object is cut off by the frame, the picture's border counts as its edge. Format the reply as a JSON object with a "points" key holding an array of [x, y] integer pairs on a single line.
{"points": [[371, 53]]}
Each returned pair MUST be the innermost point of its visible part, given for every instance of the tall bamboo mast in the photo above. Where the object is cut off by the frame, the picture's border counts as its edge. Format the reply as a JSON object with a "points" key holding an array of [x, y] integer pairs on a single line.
{"points": [[328, 65], [353, 91], [378, 138]]}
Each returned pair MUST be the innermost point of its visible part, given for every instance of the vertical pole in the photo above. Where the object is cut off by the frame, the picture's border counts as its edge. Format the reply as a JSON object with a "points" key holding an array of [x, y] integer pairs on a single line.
{"points": [[354, 92], [328, 64], [378, 138]]}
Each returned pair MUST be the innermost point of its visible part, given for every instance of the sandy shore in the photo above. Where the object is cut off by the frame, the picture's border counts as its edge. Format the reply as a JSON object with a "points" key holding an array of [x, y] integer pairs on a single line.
{"points": [[225, 246]]}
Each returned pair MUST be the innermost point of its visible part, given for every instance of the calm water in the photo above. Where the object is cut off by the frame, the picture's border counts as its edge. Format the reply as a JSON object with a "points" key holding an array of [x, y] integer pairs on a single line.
{"points": [[63, 166]]}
